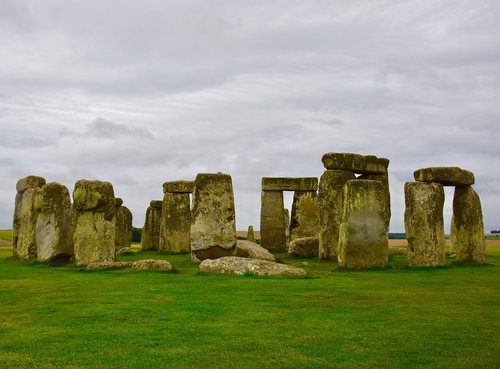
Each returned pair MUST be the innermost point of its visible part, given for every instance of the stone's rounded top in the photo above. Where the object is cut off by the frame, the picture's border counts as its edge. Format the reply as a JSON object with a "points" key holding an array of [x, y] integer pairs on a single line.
{"points": [[95, 195], [211, 177], [289, 184], [29, 182], [447, 176], [178, 187], [54, 196], [369, 164], [118, 202], [156, 204]]}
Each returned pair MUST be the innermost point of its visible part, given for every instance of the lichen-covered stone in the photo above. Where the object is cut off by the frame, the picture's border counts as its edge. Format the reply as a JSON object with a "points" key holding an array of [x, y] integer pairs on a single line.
{"points": [[175, 223], [29, 182], [150, 236], [424, 223], [363, 241], [306, 247], [213, 225], [96, 196], [330, 205], [107, 265], [468, 229], [153, 264], [250, 234], [239, 266], [178, 187], [118, 202], [123, 227], [447, 176], [55, 222], [289, 184], [94, 238], [356, 163], [304, 221], [384, 179], [249, 249], [24, 227], [287, 228], [272, 221]]}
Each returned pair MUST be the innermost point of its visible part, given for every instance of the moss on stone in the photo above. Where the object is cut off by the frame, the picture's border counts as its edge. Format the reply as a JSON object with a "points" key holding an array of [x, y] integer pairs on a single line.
{"points": [[272, 221], [175, 223], [447, 176]]}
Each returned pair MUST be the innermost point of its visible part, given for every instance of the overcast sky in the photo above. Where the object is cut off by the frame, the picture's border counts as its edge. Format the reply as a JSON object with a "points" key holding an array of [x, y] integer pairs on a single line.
{"points": [[140, 92]]}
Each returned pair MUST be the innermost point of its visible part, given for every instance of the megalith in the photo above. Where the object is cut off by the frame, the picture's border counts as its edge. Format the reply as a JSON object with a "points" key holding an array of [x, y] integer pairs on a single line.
{"points": [[123, 225], [447, 176], [250, 234], [424, 223], [94, 236], [304, 218], [272, 221], [150, 236], [213, 224], [363, 238], [25, 217], [55, 222]]}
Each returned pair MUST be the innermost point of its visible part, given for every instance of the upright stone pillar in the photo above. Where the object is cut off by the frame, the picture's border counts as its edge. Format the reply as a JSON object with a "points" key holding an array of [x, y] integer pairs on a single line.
{"points": [[287, 228], [384, 179], [250, 234], [55, 223], [330, 206], [123, 225], [25, 217], [94, 237], [424, 223], [150, 236], [363, 238], [213, 225], [304, 219], [272, 221], [468, 229]]}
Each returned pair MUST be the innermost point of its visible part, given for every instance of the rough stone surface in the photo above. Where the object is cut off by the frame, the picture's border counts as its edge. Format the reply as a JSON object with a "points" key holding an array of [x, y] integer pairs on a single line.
{"points": [[96, 196], [175, 224], [24, 226], [94, 238], [213, 225], [272, 221], [250, 234], [157, 204], [238, 266], [304, 221], [55, 222], [106, 265], [447, 176], [152, 264], [424, 223], [287, 228], [363, 241], [123, 227], [330, 205], [150, 236], [356, 163], [248, 249], [468, 229], [29, 182], [306, 247], [118, 202], [384, 179], [289, 184], [178, 187]]}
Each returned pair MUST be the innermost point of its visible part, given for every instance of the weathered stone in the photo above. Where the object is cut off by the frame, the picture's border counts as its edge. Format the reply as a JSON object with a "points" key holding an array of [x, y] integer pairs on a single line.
{"points": [[94, 238], [24, 227], [306, 247], [249, 249], [152, 264], [178, 187], [384, 179], [250, 234], [356, 163], [468, 229], [287, 228], [175, 223], [289, 184], [123, 227], [272, 221], [213, 225], [424, 223], [95, 196], [118, 202], [239, 266], [330, 205], [106, 265], [29, 182], [304, 219], [150, 236], [447, 176], [363, 241], [55, 222], [123, 250]]}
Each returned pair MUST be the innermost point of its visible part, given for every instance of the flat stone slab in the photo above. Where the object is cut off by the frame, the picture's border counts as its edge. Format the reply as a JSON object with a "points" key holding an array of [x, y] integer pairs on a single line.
{"points": [[289, 184], [238, 266], [249, 249], [107, 265], [369, 164], [156, 204], [178, 187], [145, 264], [447, 176]]}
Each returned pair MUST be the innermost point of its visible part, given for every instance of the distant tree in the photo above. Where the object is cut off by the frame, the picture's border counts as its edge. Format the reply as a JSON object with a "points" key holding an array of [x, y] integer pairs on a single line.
{"points": [[136, 234], [495, 231]]}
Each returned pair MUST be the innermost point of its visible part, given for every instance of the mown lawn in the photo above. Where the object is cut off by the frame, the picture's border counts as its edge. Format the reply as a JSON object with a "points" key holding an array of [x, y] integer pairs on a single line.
{"points": [[64, 317]]}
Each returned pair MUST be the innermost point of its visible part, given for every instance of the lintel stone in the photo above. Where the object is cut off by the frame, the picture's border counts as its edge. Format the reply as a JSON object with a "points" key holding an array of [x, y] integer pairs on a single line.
{"points": [[289, 184], [447, 176], [361, 164], [178, 187], [156, 204]]}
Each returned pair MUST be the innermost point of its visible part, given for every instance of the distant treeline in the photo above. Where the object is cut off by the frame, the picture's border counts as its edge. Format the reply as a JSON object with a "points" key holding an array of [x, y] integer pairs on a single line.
{"points": [[495, 231], [136, 234], [397, 236]]}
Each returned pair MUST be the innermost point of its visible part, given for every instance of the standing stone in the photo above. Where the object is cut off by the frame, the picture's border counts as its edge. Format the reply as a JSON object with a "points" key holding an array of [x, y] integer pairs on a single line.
{"points": [[304, 219], [25, 217], [287, 228], [330, 205], [175, 223], [363, 241], [424, 223], [250, 234], [150, 236], [384, 179], [55, 222], [94, 237], [468, 228], [213, 225], [123, 225], [272, 221]]}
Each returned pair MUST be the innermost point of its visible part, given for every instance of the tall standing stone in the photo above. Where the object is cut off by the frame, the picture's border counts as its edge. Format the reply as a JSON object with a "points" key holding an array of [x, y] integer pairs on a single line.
{"points": [[287, 228], [304, 219], [363, 238], [55, 222], [94, 237], [123, 225], [424, 223], [175, 223], [250, 234], [150, 236], [25, 217], [213, 225], [330, 207], [272, 221], [468, 229]]}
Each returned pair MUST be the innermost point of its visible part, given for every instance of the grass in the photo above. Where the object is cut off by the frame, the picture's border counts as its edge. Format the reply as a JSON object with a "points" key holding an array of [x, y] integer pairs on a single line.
{"points": [[398, 317]]}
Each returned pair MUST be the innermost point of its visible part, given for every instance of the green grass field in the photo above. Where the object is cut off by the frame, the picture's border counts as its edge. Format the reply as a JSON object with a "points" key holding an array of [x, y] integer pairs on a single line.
{"points": [[399, 317]]}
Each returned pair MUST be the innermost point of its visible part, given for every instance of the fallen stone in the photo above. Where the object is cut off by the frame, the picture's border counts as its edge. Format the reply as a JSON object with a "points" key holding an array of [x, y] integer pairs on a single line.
{"points": [[175, 223], [29, 182], [152, 264], [356, 163], [124, 250], [178, 187], [106, 265], [447, 176], [239, 266], [289, 184], [272, 221], [306, 247], [248, 249]]}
